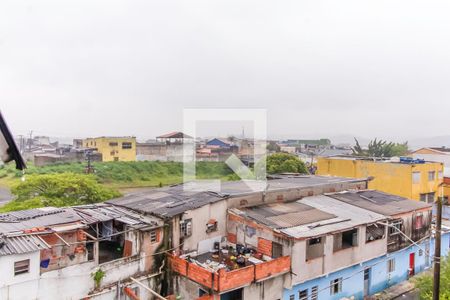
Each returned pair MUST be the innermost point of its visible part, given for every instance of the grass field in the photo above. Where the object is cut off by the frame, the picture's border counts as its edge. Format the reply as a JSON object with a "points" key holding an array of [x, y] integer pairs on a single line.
{"points": [[124, 174]]}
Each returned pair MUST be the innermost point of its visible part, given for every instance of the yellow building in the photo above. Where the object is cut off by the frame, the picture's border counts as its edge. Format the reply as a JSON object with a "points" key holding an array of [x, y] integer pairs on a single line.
{"points": [[413, 180], [113, 148]]}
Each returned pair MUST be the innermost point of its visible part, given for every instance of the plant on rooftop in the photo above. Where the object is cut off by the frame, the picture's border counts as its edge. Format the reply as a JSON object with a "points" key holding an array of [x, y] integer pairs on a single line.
{"points": [[98, 277], [424, 282], [380, 148], [284, 163]]}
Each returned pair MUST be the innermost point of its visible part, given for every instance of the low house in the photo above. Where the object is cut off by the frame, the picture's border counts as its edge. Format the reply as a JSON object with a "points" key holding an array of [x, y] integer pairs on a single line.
{"points": [[166, 147], [121, 148], [44, 251]]}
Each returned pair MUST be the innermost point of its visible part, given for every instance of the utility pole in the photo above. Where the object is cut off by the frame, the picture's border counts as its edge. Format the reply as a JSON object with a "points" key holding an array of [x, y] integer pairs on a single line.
{"points": [[437, 247], [30, 141], [89, 168]]}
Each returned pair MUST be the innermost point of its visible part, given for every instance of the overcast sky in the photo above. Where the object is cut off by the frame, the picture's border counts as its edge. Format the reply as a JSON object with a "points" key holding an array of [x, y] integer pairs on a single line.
{"points": [[325, 68]]}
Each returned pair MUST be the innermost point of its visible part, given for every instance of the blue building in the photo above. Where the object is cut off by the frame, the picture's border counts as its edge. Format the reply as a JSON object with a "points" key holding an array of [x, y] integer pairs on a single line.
{"points": [[373, 276], [219, 143]]}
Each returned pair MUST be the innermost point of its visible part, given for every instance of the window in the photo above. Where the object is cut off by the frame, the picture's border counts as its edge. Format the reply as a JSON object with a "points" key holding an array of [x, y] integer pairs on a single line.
{"points": [[303, 295], [391, 265], [374, 232], [431, 175], [292, 297], [440, 175], [336, 286], [346, 239], [186, 228], [427, 197], [314, 292], [113, 144], [153, 236], [395, 228], [127, 145], [314, 241], [418, 224], [416, 177], [21, 267], [314, 248], [277, 250]]}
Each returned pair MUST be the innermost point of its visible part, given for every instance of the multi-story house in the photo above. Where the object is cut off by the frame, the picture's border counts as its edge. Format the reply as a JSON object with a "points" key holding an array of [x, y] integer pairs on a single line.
{"points": [[409, 178], [113, 148]]}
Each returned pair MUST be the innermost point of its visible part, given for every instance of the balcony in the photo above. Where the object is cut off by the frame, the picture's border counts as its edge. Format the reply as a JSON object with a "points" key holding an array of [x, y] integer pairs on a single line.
{"points": [[226, 275]]}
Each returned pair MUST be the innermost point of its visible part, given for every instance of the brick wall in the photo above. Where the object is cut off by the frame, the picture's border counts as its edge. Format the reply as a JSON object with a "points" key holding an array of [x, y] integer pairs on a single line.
{"points": [[225, 280], [200, 275], [178, 265], [265, 246], [276, 266], [235, 278]]}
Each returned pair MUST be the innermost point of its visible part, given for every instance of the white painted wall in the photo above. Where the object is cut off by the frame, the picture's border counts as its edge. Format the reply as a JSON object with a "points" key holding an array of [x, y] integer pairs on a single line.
{"points": [[200, 218], [21, 286]]}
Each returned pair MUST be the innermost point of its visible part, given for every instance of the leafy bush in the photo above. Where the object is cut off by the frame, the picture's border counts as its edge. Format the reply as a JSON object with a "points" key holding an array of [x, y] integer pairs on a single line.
{"points": [[65, 189], [285, 163], [424, 282]]}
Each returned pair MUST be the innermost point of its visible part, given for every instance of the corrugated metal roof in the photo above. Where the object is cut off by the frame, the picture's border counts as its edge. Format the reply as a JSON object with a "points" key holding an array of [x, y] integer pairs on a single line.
{"points": [[96, 213], [174, 200], [18, 221], [379, 202], [310, 216], [284, 215], [21, 244]]}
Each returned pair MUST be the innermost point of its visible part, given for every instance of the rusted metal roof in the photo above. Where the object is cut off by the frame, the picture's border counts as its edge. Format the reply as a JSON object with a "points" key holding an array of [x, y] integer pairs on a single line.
{"points": [[21, 244], [101, 212]]}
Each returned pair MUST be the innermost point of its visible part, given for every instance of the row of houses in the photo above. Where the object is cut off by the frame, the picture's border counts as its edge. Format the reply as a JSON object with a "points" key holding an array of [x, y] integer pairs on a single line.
{"points": [[167, 147], [292, 237]]}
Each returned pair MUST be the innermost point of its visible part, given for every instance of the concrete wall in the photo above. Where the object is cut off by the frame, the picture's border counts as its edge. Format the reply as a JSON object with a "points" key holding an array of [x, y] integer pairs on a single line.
{"points": [[21, 286], [266, 290], [200, 218], [333, 261]]}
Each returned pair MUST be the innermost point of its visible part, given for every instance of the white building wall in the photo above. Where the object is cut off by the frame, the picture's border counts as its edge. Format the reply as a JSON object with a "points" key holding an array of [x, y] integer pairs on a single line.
{"points": [[200, 218], [21, 286]]}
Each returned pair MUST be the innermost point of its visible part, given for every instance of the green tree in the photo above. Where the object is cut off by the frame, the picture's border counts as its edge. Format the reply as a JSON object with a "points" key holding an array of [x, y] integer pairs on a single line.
{"points": [[64, 189], [380, 148], [424, 283], [273, 147], [285, 163]]}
